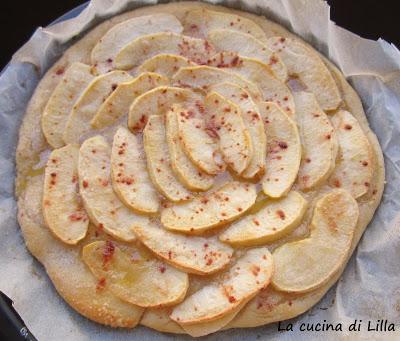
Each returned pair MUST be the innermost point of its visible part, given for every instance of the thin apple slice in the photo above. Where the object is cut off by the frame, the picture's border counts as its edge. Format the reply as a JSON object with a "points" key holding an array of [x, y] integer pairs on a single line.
{"points": [[307, 264], [146, 47], [200, 141], [158, 161], [66, 93], [104, 208], [234, 139], [164, 64], [202, 256], [118, 36], [157, 102], [130, 179], [209, 327], [248, 46], [210, 210], [192, 177], [274, 220], [305, 66], [319, 141], [202, 77], [89, 103], [283, 151], [117, 104], [244, 280], [136, 278], [258, 73], [63, 210], [253, 123], [355, 161], [199, 22]]}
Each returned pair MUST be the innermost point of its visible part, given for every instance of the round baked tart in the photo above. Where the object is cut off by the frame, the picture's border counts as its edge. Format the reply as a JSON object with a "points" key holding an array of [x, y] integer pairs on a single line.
{"points": [[194, 168]]}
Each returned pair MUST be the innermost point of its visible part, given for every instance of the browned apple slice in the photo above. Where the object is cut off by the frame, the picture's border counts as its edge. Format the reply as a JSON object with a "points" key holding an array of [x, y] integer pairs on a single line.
{"points": [[319, 141], [118, 103], [355, 164], [276, 219], [192, 177], [118, 36], [164, 64], [283, 150], [131, 181], [104, 208], [244, 280], [158, 161], [135, 277], [305, 66], [305, 265], [210, 210], [89, 102], [57, 110], [63, 210], [253, 123], [145, 47], [196, 255]]}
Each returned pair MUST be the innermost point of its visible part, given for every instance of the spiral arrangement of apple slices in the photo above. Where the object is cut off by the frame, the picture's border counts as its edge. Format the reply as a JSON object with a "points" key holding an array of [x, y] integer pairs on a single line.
{"points": [[193, 147]]}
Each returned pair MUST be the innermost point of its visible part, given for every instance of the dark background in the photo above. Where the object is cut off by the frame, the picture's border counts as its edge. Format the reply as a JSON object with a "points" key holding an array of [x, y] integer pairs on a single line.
{"points": [[18, 19]]}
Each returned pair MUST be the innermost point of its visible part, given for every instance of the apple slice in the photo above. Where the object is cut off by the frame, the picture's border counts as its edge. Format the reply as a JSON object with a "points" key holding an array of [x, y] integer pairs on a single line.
{"points": [[259, 74], [248, 46], [355, 167], [307, 264], [209, 327], [234, 138], [244, 280], [130, 179], [165, 64], [210, 210], [146, 47], [89, 103], [274, 220], [63, 210], [202, 77], [117, 104], [104, 208], [192, 177], [196, 255], [135, 277], [61, 101], [199, 22], [253, 123], [283, 151], [200, 141], [118, 36], [305, 66], [319, 141], [157, 102], [158, 161]]}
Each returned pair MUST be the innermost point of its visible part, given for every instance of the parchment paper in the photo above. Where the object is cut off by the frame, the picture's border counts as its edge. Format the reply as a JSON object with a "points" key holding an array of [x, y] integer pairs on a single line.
{"points": [[370, 286]]}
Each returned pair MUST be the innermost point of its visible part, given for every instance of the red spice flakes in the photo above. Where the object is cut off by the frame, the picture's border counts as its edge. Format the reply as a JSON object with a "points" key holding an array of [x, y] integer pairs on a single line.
{"points": [[264, 257], [374, 192], [104, 182], [194, 27], [101, 284], [209, 261], [316, 115], [200, 107], [53, 175], [240, 209], [328, 137], [109, 60], [348, 127], [205, 245], [235, 61], [290, 302], [60, 71], [308, 160], [286, 98], [114, 86], [273, 60], [212, 132], [54, 160], [366, 184], [281, 214], [365, 163], [283, 144], [46, 203], [336, 182], [169, 254], [77, 216], [282, 40], [223, 214], [255, 270], [85, 184], [227, 109], [162, 268], [74, 178], [108, 252], [255, 221]]}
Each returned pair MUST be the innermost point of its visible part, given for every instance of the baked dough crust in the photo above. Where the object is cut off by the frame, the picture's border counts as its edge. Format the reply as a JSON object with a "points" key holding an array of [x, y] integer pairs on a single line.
{"points": [[59, 259]]}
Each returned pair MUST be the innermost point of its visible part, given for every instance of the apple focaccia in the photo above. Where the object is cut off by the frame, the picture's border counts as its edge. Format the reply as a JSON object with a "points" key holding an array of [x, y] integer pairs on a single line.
{"points": [[206, 170]]}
